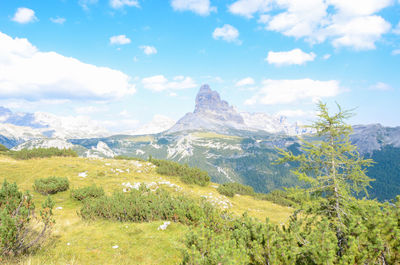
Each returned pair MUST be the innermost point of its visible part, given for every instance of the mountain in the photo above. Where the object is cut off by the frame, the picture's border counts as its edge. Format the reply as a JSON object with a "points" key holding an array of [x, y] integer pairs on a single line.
{"points": [[229, 145], [48, 125], [372, 137], [211, 113], [158, 124]]}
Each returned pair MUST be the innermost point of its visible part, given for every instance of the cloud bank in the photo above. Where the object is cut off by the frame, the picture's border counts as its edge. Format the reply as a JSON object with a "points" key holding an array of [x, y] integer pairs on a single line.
{"points": [[27, 73]]}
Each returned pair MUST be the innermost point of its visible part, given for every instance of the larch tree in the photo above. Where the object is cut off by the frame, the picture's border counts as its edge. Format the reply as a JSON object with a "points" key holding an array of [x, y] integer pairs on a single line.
{"points": [[333, 170]]}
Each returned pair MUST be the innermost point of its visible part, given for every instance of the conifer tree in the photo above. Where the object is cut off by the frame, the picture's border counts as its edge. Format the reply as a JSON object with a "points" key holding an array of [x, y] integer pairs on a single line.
{"points": [[334, 170]]}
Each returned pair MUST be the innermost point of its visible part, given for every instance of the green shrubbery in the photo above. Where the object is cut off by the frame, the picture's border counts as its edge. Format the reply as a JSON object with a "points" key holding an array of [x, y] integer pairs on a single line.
{"points": [[16, 214], [25, 154], [279, 197], [121, 157], [188, 175], [51, 185], [87, 192], [144, 206], [231, 188], [374, 238]]}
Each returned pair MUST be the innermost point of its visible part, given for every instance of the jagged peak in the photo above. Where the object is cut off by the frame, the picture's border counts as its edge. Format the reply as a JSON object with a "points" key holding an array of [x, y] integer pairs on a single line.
{"points": [[208, 99]]}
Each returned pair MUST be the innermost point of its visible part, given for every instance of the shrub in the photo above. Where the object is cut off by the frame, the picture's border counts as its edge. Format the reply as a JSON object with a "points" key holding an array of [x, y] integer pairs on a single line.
{"points": [[51, 185], [232, 188], [16, 212], [144, 206], [188, 175], [121, 157], [279, 197], [87, 192], [25, 154]]}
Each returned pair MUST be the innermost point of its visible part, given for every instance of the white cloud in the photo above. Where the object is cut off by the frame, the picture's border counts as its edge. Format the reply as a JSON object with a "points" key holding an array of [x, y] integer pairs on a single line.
{"points": [[124, 113], [27, 73], [359, 7], [121, 3], [396, 30], [24, 15], [247, 8], [58, 20], [200, 7], [290, 91], [227, 33], [295, 56], [360, 33], [345, 23], [295, 113], [120, 39], [326, 56], [245, 82], [148, 50], [380, 86], [85, 3], [120, 125], [89, 109], [396, 52], [160, 83], [300, 18]]}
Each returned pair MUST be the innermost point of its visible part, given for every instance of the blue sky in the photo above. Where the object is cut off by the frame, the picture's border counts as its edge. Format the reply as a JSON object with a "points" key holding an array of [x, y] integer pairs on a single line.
{"points": [[120, 62]]}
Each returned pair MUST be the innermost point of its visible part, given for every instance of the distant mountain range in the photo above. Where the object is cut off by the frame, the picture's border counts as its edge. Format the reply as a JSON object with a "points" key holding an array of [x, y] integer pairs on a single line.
{"points": [[230, 145]]}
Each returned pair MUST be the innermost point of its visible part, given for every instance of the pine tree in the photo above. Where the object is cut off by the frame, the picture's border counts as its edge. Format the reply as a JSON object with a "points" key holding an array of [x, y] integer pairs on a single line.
{"points": [[334, 170]]}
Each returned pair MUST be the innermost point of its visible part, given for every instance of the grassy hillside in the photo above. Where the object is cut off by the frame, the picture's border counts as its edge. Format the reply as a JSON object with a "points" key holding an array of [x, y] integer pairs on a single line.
{"points": [[75, 241]]}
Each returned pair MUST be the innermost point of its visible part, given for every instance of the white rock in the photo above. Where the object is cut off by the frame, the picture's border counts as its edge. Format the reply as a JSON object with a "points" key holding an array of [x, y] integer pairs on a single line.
{"points": [[164, 226], [115, 247], [83, 174]]}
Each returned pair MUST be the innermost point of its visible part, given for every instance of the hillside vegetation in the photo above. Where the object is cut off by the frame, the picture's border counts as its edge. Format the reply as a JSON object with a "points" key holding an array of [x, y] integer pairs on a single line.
{"points": [[77, 240]]}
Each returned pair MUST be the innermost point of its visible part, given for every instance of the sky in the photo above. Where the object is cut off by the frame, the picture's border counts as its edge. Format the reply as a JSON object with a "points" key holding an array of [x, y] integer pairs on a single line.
{"points": [[121, 63]]}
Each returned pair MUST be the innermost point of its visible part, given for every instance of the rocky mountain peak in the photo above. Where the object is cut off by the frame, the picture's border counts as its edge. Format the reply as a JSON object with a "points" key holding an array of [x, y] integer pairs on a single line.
{"points": [[208, 99]]}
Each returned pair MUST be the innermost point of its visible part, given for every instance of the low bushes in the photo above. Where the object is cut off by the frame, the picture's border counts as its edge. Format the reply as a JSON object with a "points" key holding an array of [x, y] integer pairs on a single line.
{"points": [[16, 216], [232, 188], [188, 175], [372, 236], [276, 196], [144, 205], [51, 185], [279, 197], [121, 157], [25, 154], [87, 192]]}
